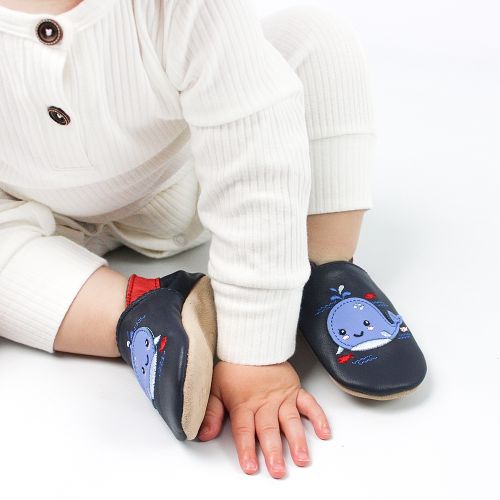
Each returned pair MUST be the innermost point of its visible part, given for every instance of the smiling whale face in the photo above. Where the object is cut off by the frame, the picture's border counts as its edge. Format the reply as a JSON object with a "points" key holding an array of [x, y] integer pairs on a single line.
{"points": [[143, 354], [358, 325]]}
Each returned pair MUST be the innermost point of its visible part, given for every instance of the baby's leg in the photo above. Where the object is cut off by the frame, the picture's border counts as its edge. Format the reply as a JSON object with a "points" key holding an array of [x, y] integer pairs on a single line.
{"points": [[333, 236], [89, 326], [327, 56]]}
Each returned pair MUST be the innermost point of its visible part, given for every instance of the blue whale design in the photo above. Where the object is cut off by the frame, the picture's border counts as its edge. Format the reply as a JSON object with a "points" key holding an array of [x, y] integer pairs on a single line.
{"points": [[358, 325], [144, 358]]}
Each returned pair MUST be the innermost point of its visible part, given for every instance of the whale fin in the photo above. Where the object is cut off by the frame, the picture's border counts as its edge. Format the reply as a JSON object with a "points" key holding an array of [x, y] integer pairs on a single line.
{"points": [[339, 350]]}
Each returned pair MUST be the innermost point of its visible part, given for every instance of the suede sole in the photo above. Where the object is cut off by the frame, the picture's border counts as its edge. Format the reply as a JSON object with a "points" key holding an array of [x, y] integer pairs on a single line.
{"points": [[374, 397], [200, 324]]}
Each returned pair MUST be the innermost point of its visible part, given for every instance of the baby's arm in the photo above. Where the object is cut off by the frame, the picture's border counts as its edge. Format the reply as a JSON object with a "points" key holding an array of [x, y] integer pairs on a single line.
{"points": [[245, 110], [41, 273]]}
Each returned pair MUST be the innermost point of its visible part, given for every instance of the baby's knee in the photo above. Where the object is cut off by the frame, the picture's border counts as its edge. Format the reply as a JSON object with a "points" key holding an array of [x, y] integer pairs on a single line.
{"points": [[303, 32]]}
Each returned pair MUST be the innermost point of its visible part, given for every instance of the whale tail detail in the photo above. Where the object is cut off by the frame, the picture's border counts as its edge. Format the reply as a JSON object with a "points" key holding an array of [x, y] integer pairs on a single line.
{"points": [[395, 318]]}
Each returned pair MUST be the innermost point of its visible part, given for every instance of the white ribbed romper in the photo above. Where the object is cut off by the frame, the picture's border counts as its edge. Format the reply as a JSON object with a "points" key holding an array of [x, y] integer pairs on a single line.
{"points": [[190, 120]]}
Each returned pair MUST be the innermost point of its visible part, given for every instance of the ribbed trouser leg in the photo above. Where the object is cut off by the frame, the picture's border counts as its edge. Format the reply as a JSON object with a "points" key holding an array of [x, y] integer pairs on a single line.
{"points": [[57, 265], [326, 54]]}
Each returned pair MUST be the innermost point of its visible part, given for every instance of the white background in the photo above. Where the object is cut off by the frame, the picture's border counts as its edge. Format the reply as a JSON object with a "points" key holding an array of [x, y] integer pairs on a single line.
{"points": [[80, 427]]}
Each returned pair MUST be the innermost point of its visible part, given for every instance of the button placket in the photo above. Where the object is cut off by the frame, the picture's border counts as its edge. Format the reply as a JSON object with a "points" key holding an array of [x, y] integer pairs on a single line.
{"points": [[50, 32], [65, 150]]}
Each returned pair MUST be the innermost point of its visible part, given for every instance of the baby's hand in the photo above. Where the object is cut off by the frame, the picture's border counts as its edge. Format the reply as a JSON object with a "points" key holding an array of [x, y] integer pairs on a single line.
{"points": [[261, 400]]}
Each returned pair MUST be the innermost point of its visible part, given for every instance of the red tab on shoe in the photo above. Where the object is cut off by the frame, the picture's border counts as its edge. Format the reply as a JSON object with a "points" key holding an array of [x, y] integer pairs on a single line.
{"points": [[137, 286]]}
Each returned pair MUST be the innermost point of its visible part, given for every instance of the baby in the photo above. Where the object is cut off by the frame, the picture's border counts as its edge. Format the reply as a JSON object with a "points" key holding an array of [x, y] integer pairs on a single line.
{"points": [[161, 125]]}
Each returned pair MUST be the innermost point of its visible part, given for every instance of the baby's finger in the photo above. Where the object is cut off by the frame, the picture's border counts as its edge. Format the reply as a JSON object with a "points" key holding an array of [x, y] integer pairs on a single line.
{"points": [[243, 429], [308, 406], [268, 432], [291, 424], [214, 416]]}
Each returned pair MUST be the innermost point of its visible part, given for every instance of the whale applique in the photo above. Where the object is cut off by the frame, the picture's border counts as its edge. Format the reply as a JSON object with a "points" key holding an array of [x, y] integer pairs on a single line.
{"points": [[144, 349], [356, 324]]}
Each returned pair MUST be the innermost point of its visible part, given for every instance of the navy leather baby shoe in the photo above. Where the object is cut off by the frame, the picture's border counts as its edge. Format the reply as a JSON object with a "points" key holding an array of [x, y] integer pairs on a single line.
{"points": [[357, 333], [167, 334]]}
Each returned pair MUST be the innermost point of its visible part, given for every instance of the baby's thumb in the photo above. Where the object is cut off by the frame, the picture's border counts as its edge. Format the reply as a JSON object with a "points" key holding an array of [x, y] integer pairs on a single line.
{"points": [[214, 416]]}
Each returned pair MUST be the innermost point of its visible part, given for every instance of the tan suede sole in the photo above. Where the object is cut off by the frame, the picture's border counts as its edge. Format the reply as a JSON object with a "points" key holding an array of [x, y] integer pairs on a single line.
{"points": [[199, 321], [369, 396]]}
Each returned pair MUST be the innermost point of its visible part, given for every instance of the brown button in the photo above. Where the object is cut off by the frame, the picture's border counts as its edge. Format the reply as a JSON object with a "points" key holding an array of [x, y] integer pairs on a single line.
{"points": [[58, 115], [49, 32]]}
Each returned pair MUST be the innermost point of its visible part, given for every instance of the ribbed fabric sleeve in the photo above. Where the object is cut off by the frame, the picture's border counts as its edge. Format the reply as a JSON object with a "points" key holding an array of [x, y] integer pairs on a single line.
{"points": [[245, 110], [348, 186], [40, 273]]}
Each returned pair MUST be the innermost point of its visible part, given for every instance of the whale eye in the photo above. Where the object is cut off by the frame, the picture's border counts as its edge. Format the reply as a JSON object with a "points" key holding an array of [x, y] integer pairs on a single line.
{"points": [[366, 322], [342, 331], [147, 343], [143, 370]]}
